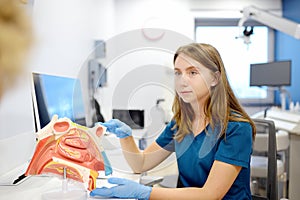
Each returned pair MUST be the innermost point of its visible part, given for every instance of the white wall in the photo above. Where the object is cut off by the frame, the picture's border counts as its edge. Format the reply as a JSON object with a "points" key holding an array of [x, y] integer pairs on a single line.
{"points": [[63, 34], [131, 17], [168, 14]]}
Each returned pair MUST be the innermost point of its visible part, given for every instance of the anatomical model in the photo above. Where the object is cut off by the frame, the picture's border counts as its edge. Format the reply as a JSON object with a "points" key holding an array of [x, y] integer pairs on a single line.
{"points": [[78, 149]]}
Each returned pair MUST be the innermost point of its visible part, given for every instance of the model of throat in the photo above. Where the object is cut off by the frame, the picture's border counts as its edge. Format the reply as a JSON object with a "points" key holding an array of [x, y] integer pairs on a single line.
{"points": [[64, 144]]}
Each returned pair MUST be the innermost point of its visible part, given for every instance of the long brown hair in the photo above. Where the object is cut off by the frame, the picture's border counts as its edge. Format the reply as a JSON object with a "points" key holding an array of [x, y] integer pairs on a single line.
{"points": [[221, 106]]}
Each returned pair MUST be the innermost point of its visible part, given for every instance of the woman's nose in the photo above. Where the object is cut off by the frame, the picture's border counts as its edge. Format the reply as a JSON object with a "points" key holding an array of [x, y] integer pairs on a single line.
{"points": [[183, 80]]}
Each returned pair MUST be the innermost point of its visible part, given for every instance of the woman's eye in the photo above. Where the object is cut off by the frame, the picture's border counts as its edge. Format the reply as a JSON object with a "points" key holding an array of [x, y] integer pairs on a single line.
{"points": [[176, 73], [193, 73]]}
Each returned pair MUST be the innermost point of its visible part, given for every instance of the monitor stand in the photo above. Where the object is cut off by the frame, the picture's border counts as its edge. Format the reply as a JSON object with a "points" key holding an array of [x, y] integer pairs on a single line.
{"points": [[283, 93]]}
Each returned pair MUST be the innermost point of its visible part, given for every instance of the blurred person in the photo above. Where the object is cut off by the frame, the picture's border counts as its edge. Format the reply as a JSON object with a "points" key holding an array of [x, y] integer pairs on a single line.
{"points": [[15, 40]]}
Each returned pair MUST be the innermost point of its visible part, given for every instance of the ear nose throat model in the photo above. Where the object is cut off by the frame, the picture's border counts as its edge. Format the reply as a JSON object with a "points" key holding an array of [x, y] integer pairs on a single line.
{"points": [[63, 144]]}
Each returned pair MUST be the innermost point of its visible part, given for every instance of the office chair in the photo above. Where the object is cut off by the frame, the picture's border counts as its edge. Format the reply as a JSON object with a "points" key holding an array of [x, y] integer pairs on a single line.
{"points": [[266, 129], [259, 162]]}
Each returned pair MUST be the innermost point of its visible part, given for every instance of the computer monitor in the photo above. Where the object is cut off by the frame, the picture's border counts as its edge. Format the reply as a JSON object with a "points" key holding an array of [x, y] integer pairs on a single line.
{"points": [[133, 118], [274, 74], [57, 95]]}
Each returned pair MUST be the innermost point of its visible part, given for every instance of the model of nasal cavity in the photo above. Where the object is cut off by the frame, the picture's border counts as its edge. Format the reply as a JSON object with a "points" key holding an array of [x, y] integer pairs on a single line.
{"points": [[64, 144]]}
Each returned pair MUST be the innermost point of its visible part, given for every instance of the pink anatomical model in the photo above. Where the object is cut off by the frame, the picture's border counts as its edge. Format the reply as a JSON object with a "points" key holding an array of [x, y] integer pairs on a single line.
{"points": [[64, 144]]}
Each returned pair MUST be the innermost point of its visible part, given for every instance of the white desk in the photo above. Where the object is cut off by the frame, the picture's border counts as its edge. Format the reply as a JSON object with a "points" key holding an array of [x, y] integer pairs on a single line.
{"points": [[33, 187]]}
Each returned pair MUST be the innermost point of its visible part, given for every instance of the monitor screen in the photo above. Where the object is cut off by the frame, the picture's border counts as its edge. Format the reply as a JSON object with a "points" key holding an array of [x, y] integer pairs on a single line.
{"points": [[271, 74], [133, 118], [57, 95]]}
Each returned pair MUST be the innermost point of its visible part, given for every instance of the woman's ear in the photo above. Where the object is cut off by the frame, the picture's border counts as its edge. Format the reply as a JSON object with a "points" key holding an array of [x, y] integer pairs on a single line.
{"points": [[216, 79]]}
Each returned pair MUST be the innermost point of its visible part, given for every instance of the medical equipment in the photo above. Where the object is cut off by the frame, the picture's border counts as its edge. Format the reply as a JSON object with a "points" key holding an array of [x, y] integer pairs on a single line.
{"points": [[64, 144], [276, 22]]}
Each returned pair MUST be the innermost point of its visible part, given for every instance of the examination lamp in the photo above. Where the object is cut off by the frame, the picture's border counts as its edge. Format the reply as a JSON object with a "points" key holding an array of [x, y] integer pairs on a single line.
{"points": [[276, 22], [246, 34]]}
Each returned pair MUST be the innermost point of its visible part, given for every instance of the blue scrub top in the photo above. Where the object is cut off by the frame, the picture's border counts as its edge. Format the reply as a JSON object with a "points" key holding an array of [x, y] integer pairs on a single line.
{"points": [[195, 155]]}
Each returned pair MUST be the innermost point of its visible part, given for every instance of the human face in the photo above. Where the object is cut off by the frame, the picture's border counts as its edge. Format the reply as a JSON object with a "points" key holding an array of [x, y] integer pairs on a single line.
{"points": [[192, 80]]}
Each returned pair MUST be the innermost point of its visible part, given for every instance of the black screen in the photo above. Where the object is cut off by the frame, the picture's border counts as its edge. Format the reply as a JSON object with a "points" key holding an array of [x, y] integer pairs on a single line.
{"points": [[133, 118], [271, 74]]}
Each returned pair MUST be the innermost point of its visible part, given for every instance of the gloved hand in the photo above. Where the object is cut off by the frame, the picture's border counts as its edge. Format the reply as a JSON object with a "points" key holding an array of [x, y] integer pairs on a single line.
{"points": [[117, 127], [124, 189]]}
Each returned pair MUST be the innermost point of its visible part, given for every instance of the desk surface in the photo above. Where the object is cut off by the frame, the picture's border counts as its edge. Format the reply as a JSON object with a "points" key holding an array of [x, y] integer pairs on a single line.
{"points": [[33, 187], [281, 122]]}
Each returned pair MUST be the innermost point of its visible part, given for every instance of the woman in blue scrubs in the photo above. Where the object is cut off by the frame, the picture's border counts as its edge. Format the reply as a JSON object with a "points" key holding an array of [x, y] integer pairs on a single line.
{"points": [[210, 133]]}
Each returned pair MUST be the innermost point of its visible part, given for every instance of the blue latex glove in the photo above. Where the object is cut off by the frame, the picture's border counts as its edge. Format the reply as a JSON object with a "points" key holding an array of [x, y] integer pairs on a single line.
{"points": [[124, 189], [117, 127]]}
